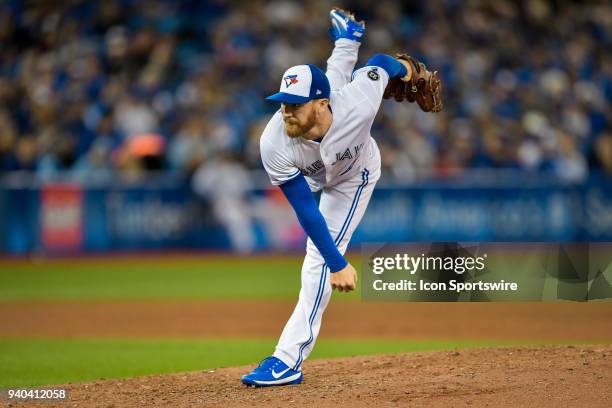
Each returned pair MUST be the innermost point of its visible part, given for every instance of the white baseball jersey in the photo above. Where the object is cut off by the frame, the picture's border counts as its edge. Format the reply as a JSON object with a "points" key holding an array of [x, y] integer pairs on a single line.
{"points": [[348, 145]]}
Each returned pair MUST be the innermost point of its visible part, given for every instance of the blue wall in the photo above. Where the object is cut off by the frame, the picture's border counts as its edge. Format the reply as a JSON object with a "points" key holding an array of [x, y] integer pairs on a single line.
{"points": [[158, 216]]}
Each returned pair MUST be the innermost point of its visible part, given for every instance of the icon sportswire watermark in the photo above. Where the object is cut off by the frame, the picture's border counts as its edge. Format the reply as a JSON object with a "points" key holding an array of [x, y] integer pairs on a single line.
{"points": [[453, 271]]}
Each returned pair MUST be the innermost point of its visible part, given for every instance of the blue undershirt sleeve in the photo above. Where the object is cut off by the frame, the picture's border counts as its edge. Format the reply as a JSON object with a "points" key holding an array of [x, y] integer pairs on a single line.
{"points": [[393, 67], [301, 199]]}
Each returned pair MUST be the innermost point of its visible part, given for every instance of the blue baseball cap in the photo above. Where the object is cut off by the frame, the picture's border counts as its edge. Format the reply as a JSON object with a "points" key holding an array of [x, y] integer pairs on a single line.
{"points": [[301, 84]]}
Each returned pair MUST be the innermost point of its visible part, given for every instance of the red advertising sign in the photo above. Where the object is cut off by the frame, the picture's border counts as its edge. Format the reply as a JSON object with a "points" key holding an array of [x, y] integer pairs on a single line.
{"points": [[61, 217]]}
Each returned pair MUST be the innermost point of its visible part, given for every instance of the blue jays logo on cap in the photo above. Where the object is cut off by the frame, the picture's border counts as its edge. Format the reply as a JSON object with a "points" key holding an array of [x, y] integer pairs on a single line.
{"points": [[302, 83], [290, 80]]}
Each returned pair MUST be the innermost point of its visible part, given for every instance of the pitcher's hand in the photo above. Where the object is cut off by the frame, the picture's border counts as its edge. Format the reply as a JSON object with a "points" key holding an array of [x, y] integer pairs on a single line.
{"points": [[345, 279]]}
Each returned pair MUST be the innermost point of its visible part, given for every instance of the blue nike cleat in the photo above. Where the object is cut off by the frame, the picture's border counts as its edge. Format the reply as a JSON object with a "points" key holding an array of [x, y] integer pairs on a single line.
{"points": [[271, 371], [344, 25]]}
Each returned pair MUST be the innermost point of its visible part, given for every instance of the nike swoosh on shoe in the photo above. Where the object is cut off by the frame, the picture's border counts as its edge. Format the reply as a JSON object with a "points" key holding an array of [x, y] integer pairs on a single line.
{"points": [[278, 375]]}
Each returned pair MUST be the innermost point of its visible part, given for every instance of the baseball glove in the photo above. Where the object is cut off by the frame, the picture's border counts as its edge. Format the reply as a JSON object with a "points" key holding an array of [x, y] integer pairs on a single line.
{"points": [[424, 86]]}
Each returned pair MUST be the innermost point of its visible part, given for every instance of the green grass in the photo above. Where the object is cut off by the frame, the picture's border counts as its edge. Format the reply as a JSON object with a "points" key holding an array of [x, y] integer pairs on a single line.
{"points": [[156, 277], [34, 362]]}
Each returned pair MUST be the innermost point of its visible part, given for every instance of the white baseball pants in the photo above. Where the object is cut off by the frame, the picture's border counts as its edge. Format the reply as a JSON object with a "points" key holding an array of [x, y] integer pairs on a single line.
{"points": [[342, 206]]}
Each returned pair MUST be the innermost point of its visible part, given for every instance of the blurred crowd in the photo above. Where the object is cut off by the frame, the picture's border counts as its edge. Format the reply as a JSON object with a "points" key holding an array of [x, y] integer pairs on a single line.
{"points": [[97, 90]]}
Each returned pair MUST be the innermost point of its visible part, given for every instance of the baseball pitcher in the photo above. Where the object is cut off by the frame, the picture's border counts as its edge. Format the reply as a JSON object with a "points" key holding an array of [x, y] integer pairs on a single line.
{"points": [[320, 140]]}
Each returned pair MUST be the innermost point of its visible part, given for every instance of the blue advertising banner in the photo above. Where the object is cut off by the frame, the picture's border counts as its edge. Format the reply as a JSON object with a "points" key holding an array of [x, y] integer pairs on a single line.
{"points": [[149, 217], [20, 220], [471, 214], [169, 216]]}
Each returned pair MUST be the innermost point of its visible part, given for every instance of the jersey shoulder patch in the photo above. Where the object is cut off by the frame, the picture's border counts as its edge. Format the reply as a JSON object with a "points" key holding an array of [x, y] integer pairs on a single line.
{"points": [[373, 74]]}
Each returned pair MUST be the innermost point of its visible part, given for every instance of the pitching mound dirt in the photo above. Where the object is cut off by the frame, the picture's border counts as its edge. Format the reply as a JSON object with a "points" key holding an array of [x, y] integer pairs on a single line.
{"points": [[578, 376]]}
